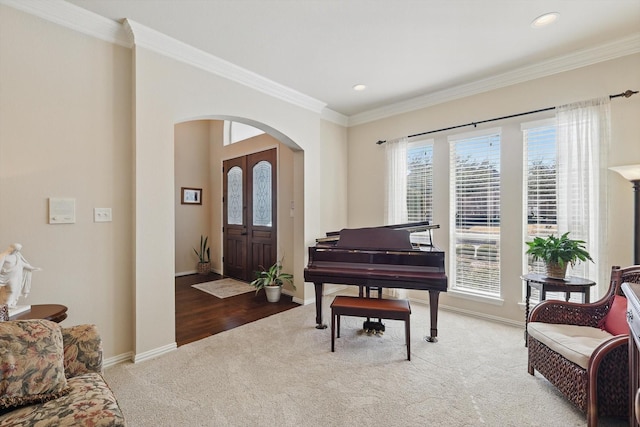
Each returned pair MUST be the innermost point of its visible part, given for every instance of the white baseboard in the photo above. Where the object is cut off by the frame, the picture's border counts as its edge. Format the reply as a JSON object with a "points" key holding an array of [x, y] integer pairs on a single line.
{"points": [[190, 272], [141, 357], [470, 313], [303, 301], [116, 360], [186, 273], [137, 358]]}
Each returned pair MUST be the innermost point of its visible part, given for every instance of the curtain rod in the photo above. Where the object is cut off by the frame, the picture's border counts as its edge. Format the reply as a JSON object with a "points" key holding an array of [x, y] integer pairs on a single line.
{"points": [[626, 94]]}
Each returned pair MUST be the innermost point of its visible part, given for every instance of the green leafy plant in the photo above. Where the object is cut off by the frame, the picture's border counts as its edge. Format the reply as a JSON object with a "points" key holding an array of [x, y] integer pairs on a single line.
{"points": [[560, 250], [273, 276], [204, 254]]}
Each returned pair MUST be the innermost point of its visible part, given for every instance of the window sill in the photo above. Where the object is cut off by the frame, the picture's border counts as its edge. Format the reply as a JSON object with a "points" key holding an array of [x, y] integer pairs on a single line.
{"points": [[475, 297], [532, 303]]}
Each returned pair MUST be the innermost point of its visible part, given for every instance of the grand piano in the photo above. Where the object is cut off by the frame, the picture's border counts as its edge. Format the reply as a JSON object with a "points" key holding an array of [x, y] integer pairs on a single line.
{"points": [[379, 257]]}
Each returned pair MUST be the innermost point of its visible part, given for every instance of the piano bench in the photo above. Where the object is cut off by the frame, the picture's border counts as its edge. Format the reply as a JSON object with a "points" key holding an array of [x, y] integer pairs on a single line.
{"points": [[392, 309]]}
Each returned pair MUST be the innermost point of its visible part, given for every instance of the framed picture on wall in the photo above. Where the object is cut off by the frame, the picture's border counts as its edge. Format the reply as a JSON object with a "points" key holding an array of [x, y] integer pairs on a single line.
{"points": [[191, 196]]}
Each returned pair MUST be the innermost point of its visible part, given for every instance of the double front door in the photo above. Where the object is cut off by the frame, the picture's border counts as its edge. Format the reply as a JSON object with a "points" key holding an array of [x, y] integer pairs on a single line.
{"points": [[249, 214]]}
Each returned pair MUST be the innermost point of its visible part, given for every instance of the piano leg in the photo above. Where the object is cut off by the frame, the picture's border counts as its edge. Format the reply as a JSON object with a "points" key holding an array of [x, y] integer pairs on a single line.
{"points": [[434, 296], [319, 287]]}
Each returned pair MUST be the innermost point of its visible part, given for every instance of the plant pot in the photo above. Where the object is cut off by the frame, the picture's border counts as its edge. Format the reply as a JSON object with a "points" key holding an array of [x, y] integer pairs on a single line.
{"points": [[204, 267], [273, 293], [555, 271]]}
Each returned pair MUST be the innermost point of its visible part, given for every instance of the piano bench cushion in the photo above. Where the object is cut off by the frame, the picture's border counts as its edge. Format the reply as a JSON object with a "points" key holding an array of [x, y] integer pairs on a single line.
{"points": [[395, 309]]}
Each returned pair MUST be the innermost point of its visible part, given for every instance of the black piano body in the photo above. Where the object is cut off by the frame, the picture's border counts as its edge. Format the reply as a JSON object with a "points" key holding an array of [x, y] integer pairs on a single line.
{"points": [[378, 257]]}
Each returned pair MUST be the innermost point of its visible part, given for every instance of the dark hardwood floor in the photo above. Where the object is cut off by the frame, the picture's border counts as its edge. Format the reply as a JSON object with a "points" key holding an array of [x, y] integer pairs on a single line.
{"points": [[199, 315]]}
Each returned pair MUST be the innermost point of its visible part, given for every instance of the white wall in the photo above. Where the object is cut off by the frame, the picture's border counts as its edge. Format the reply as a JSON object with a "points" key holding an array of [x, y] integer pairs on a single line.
{"points": [[191, 158], [65, 131], [167, 92], [84, 118], [366, 163], [334, 155]]}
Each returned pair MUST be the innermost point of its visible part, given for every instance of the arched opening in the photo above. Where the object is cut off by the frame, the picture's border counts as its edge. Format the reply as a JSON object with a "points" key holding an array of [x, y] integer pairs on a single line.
{"points": [[199, 154]]}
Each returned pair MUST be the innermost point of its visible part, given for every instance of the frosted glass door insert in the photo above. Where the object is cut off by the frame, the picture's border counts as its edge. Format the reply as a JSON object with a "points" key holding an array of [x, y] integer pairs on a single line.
{"points": [[262, 194], [249, 229], [234, 196]]}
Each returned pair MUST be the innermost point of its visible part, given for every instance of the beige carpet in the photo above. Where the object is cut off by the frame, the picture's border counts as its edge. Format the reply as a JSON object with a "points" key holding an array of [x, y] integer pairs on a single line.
{"points": [[224, 288], [280, 371]]}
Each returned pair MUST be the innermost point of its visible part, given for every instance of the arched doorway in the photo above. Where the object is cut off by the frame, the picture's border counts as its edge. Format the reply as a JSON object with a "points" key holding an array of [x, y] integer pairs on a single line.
{"points": [[198, 159], [199, 156]]}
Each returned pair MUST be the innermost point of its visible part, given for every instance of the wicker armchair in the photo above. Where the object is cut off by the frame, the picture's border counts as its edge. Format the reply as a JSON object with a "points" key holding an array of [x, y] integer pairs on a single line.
{"points": [[601, 388]]}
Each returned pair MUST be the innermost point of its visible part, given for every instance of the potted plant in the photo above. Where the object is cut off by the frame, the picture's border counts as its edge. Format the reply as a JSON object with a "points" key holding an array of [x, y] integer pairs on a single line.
{"points": [[557, 253], [204, 256], [271, 280]]}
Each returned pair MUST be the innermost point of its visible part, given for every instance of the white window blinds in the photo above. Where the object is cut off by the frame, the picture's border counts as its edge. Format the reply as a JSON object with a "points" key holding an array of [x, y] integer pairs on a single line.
{"points": [[420, 181], [475, 212], [540, 185]]}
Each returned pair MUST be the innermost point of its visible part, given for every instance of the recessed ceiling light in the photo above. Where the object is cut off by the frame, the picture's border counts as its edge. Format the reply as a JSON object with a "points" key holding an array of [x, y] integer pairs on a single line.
{"points": [[544, 20], [359, 87]]}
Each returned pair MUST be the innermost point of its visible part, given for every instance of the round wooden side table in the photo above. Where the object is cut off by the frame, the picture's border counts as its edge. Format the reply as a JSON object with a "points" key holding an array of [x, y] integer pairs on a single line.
{"points": [[54, 312]]}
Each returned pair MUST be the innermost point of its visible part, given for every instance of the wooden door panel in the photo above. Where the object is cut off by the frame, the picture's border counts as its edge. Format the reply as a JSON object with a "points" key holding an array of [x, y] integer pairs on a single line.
{"points": [[234, 225], [262, 254], [251, 245], [262, 249], [235, 254], [262, 237]]}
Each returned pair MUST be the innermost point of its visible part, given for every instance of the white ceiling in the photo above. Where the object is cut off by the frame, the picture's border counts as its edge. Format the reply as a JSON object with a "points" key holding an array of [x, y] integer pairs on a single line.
{"points": [[400, 49]]}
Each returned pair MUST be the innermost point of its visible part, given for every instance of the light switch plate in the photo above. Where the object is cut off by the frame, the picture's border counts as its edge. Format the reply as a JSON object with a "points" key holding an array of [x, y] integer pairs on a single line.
{"points": [[101, 214]]}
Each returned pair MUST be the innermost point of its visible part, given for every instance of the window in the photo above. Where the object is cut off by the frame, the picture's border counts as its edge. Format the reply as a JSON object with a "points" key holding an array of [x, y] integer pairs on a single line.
{"points": [[541, 196], [419, 196], [409, 180], [540, 185], [235, 132], [475, 212], [262, 186]]}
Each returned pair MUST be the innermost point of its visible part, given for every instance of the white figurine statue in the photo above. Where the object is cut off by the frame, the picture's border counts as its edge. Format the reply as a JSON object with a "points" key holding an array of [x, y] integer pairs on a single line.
{"points": [[15, 273]]}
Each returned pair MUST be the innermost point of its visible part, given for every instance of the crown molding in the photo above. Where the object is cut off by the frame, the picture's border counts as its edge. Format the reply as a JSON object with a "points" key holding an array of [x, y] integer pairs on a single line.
{"points": [[129, 33], [604, 52], [75, 18], [151, 39], [335, 117]]}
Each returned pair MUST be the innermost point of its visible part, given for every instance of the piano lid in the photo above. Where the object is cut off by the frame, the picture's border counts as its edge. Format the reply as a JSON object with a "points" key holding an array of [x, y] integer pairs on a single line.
{"points": [[374, 238]]}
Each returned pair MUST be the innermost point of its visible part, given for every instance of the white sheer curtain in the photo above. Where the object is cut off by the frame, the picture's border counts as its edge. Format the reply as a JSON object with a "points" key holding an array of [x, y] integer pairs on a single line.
{"points": [[583, 142], [396, 181], [396, 190]]}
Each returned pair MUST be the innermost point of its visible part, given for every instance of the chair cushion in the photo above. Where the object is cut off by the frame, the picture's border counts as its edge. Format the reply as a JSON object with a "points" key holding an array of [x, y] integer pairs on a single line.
{"points": [[31, 361], [575, 343], [90, 403], [615, 322]]}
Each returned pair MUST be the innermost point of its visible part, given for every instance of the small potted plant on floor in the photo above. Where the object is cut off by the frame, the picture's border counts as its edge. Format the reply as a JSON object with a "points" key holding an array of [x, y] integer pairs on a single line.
{"points": [[557, 253], [271, 280], [204, 256]]}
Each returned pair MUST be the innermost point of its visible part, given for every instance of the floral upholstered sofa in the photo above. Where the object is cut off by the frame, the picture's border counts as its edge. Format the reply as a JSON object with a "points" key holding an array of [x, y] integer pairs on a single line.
{"points": [[52, 376]]}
